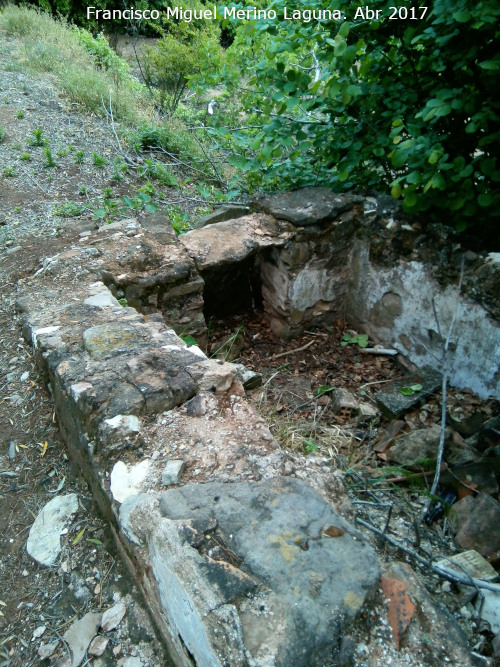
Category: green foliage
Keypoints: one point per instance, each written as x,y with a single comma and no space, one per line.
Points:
405,106
110,207
87,70
2,134
26,157
79,157
184,51
98,160
69,209
9,172
189,340
38,138
49,159
410,390
20,114
355,339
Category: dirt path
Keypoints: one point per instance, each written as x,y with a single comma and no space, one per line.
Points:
39,604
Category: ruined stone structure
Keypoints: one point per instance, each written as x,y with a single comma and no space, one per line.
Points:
250,559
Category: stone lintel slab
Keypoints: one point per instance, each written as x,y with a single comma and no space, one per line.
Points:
305,207
231,242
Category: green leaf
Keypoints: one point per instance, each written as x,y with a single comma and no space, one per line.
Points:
344,29
490,65
323,390
485,200
396,191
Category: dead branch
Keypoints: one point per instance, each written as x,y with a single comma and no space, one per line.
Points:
297,349
441,570
445,369
379,350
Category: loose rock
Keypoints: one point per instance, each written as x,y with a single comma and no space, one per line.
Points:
44,544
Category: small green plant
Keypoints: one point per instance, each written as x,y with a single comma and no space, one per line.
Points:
83,191
355,339
9,172
148,188
158,171
119,168
98,160
189,340
108,193
310,446
411,389
20,114
179,220
62,152
2,134
37,137
16,146
79,157
68,209
139,201
123,302
26,157
49,159
323,390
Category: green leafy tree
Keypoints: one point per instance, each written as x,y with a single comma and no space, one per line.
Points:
185,51
409,106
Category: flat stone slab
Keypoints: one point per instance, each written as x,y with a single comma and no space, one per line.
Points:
309,206
272,553
44,543
392,402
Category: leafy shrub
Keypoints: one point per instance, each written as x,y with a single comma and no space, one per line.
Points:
406,106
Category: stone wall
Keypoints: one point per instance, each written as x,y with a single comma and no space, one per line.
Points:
312,257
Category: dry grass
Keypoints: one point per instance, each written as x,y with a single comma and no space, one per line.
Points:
49,45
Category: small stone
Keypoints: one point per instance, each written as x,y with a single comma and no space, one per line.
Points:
393,403
419,444
38,632
124,482
24,377
118,428
98,645
80,634
102,300
117,650
46,650
488,605
44,544
113,616
131,661
172,472
477,522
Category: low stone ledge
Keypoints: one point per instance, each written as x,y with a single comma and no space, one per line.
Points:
131,397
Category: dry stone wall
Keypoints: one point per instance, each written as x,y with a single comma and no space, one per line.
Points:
229,537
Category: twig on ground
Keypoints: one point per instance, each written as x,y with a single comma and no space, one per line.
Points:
294,351
379,350
445,371
441,570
